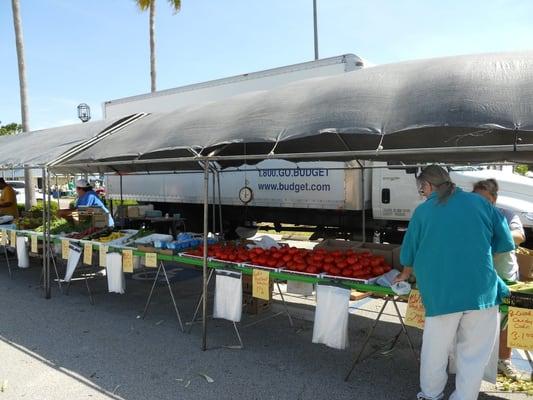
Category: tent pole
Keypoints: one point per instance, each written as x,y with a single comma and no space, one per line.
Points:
363,205
121,207
45,253
214,223
204,278
219,203
48,232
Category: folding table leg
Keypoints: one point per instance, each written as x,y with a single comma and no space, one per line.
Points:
149,300
8,263
367,339
404,329
284,305
91,299
172,296
199,303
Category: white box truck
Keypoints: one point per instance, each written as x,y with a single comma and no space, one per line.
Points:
325,195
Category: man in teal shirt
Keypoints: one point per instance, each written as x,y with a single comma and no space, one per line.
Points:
449,243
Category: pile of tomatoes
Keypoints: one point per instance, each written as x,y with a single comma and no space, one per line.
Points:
348,264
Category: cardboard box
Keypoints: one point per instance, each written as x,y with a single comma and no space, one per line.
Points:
525,263
335,244
391,252
247,286
151,249
255,306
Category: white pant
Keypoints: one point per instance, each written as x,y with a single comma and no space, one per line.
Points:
475,332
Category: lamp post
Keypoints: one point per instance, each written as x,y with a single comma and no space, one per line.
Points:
84,112
315,26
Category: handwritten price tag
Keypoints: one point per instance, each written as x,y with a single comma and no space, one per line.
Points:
520,328
103,256
65,249
261,284
3,239
416,313
34,247
13,240
88,253
127,261
150,260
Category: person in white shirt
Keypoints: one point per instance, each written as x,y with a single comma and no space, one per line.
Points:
506,266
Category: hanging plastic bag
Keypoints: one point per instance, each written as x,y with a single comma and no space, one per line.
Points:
331,316
228,296
22,253
116,283
74,255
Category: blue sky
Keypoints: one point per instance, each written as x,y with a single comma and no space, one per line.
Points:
92,51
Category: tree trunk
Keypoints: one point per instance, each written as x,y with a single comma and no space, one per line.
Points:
19,40
152,46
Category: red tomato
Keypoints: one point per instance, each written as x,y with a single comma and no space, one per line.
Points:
311,270
334,271
287,258
341,265
329,259
327,267
350,260
347,273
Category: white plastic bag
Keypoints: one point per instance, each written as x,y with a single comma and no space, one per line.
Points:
116,283
22,253
331,316
387,279
72,262
228,296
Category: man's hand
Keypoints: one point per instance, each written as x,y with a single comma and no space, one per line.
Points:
404,275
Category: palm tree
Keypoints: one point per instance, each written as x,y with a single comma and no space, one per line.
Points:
150,4
19,41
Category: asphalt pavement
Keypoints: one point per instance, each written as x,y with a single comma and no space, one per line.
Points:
66,348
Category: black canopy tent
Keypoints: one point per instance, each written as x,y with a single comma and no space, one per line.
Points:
460,109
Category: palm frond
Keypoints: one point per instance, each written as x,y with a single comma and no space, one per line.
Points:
175,4
143,4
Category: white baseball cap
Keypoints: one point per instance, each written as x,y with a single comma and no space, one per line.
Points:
82,183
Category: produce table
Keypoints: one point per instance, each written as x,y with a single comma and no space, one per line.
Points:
246,269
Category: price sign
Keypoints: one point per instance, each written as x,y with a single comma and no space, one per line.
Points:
127,261
88,253
102,255
150,260
261,284
3,239
520,328
34,247
65,249
416,313
13,239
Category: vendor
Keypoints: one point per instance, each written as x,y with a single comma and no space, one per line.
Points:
8,200
450,242
87,197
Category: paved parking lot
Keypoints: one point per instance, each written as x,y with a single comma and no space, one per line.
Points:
65,348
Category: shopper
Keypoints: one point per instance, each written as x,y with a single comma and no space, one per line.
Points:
506,266
449,243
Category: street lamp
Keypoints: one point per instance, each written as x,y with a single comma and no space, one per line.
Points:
84,112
